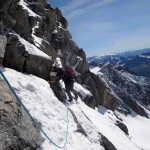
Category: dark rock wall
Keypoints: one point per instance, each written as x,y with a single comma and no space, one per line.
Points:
44,23
47,19
130,92
3,41
14,124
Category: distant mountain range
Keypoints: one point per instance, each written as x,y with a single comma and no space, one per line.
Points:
134,52
137,61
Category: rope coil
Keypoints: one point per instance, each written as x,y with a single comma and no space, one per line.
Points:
33,120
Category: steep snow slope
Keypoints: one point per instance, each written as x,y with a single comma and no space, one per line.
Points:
40,100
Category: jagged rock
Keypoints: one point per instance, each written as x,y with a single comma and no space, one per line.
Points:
61,19
7,5
14,124
37,7
7,8
82,53
48,49
38,66
107,144
14,53
83,66
18,58
123,127
3,42
59,92
134,106
22,26
43,2
7,20
90,101
130,91
101,93
79,127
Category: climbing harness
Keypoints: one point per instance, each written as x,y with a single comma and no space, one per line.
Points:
33,120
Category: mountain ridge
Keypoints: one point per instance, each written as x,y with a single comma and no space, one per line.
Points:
139,64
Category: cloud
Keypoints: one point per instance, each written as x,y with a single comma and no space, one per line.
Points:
74,4
74,9
75,13
92,30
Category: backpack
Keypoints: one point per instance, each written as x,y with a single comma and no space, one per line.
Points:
70,70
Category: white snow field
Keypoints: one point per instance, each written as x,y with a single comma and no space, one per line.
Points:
41,102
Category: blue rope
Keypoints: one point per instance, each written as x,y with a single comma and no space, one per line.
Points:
33,120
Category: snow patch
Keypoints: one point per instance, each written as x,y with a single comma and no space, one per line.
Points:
31,49
26,7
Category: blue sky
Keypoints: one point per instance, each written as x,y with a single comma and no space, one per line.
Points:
107,26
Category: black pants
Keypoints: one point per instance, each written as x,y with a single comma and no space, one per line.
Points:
69,88
59,92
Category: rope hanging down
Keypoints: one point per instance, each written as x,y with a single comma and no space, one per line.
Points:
33,120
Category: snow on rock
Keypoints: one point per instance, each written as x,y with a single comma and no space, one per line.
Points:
95,70
82,89
54,31
32,49
144,56
26,7
136,79
60,26
38,41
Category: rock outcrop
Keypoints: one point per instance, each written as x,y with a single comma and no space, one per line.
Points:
3,42
100,91
14,124
129,90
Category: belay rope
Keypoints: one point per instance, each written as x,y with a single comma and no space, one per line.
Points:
33,120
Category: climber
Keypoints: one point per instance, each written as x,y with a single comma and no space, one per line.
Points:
67,75
69,79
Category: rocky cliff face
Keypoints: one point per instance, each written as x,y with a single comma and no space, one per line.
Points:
3,41
44,29
14,123
130,91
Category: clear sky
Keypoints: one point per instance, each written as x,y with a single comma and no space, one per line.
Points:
107,26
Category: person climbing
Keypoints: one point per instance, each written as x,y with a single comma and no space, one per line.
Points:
68,76
69,79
